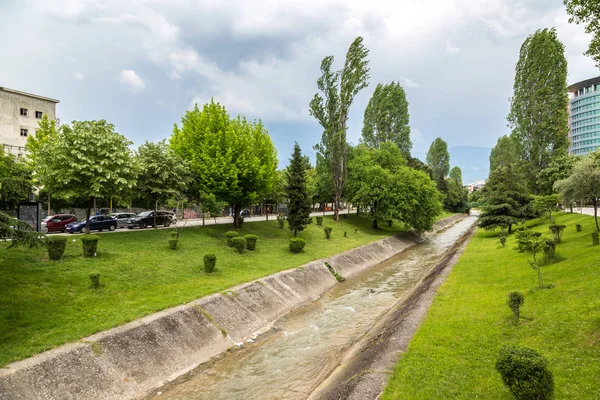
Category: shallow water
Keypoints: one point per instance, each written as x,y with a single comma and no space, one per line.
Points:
306,345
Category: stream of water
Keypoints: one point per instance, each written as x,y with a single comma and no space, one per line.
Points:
307,344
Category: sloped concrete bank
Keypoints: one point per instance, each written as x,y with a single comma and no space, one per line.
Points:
131,360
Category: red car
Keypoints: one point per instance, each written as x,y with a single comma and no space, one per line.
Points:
57,223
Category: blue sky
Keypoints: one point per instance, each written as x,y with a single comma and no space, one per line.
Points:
141,64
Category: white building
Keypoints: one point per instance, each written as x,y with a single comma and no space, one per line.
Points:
20,113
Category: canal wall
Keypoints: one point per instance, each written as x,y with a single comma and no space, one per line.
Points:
131,360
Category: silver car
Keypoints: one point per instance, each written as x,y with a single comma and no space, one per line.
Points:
122,218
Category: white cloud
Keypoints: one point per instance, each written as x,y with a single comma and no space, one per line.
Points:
132,81
408,83
79,76
450,49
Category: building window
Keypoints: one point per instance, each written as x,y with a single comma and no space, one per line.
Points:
23,132
23,112
38,114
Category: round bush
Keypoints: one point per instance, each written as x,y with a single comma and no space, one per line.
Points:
210,261
251,242
95,278
173,234
328,230
525,372
230,235
595,240
56,247
578,227
239,243
297,245
319,221
90,245
173,243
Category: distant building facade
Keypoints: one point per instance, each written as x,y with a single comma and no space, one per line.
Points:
20,114
584,117
471,187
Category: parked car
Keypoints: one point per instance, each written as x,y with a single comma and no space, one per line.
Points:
97,223
57,223
146,218
122,218
245,213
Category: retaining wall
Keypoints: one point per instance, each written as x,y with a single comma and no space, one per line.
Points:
130,360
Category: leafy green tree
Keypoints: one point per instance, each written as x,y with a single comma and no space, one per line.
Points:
538,110
299,203
210,205
323,183
505,199
18,232
560,167
583,183
332,111
231,158
15,181
545,205
504,153
587,12
438,159
86,159
456,174
386,118
419,165
161,173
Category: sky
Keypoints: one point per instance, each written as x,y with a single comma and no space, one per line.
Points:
141,64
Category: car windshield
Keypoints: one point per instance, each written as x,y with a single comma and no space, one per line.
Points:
113,215
144,214
48,218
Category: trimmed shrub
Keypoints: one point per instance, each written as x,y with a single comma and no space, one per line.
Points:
328,230
230,235
173,234
90,245
95,278
578,227
502,235
281,220
210,261
595,240
525,372
549,249
345,234
297,245
56,247
319,221
557,232
251,242
173,243
239,243
514,302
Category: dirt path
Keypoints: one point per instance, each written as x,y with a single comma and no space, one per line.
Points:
365,370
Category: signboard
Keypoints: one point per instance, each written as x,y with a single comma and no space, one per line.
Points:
30,212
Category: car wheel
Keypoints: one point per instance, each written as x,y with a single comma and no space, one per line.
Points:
143,225
167,223
130,227
100,230
111,228
84,230
63,231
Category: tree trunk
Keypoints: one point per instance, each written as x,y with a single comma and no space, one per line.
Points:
295,232
596,212
357,211
236,216
155,209
509,229
91,202
540,280
375,226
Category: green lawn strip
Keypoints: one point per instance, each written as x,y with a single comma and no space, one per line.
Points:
454,351
44,304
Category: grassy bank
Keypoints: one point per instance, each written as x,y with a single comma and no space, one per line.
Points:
44,303
453,353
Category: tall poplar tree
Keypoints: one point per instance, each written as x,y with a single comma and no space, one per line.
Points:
438,159
504,153
299,202
332,110
538,110
386,118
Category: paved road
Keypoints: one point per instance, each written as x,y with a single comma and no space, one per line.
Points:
585,210
211,221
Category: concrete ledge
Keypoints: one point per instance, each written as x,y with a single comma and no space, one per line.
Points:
130,360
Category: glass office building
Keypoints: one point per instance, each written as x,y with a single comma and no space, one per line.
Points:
584,116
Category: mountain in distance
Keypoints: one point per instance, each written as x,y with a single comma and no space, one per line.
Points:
473,161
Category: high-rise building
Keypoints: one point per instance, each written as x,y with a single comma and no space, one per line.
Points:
20,114
584,116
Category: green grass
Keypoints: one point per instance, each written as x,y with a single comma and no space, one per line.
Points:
44,303
454,351
446,214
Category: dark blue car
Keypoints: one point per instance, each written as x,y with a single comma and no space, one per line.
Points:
97,223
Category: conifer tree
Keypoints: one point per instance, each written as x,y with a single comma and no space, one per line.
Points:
299,203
